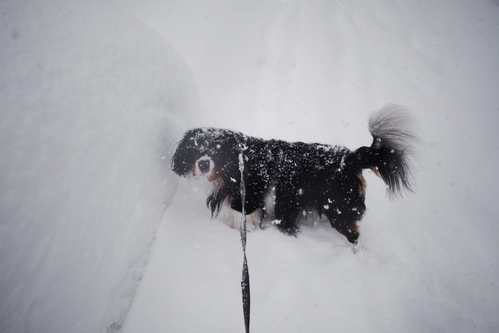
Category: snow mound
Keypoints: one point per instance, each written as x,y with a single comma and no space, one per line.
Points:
90,98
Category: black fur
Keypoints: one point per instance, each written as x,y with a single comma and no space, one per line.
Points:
301,177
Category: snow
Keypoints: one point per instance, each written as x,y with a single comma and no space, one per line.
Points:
92,102
313,71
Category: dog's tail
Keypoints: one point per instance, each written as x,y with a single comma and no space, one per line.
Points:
392,151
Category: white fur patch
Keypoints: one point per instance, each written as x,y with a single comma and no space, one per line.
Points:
232,217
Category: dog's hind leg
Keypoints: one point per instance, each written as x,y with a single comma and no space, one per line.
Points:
344,212
344,219
349,229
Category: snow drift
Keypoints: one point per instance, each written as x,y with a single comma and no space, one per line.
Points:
88,95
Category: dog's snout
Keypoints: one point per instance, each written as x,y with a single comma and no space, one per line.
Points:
204,165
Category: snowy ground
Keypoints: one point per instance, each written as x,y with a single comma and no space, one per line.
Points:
312,71
90,97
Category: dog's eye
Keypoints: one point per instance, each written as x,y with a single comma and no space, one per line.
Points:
204,166
213,150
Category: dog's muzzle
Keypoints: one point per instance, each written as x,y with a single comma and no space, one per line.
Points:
204,166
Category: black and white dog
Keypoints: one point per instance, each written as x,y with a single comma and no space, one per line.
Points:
286,181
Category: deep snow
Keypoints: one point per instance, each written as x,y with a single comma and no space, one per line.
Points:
312,71
86,94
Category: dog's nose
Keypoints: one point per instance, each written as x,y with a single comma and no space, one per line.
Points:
204,165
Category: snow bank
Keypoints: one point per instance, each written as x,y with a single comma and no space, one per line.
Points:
90,99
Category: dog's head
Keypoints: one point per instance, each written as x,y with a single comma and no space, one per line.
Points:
206,152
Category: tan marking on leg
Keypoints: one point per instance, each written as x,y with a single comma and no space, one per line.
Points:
363,185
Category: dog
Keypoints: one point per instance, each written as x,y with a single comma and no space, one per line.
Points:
286,181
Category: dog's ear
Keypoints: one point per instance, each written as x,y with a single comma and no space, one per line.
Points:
182,161
186,154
